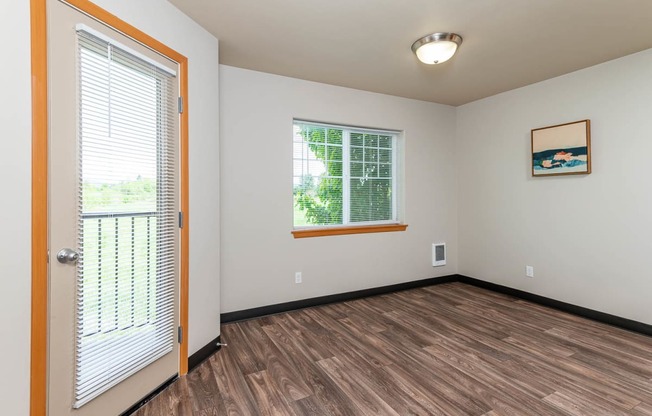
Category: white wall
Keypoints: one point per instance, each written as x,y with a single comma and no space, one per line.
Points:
163,21
15,240
259,255
588,237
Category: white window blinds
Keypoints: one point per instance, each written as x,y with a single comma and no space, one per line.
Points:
343,175
127,217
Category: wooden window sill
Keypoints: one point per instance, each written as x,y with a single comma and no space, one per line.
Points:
357,229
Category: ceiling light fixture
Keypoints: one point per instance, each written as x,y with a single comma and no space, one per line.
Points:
436,48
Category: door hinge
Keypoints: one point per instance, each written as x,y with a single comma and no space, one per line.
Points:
180,335
180,219
180,105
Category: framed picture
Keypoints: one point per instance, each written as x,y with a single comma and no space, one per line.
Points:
564,149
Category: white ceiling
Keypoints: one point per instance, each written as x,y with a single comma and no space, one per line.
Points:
365,44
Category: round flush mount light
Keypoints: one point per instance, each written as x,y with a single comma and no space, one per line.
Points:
436,48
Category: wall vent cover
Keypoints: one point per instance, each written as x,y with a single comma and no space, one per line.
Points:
438,254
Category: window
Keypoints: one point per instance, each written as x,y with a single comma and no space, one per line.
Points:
127,214
344,176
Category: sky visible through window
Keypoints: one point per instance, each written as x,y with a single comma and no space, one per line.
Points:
109,124
120,119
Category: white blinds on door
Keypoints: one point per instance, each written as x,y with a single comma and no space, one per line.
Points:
127,216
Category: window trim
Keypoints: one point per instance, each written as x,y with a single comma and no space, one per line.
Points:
347,227
319,231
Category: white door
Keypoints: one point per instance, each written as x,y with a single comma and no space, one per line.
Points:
113,217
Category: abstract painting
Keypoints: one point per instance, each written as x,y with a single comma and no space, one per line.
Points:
564,149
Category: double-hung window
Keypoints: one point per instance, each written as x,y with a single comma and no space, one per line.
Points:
344,176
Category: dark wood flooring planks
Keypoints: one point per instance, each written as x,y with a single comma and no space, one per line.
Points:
449,349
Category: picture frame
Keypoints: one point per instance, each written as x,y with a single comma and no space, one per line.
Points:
563,149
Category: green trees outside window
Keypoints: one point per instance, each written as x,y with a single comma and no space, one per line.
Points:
343,176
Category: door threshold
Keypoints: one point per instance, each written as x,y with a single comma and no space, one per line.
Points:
150,396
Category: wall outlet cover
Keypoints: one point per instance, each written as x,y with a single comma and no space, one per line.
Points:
529,271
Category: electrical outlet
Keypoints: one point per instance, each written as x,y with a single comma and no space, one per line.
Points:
297,277
529,271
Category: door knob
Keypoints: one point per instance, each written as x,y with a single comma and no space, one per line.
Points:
67,255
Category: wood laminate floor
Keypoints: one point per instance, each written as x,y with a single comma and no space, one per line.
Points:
450,349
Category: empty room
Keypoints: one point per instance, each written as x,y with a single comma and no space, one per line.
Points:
326,208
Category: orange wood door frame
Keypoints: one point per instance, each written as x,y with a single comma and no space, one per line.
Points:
39,69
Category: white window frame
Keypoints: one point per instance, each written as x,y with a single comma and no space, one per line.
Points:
346,174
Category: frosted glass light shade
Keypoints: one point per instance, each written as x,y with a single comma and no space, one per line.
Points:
436,53
436,48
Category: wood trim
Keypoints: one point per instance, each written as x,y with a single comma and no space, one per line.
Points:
185,208
101,15
39,318
360,229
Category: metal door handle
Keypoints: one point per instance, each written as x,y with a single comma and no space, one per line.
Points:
67,255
